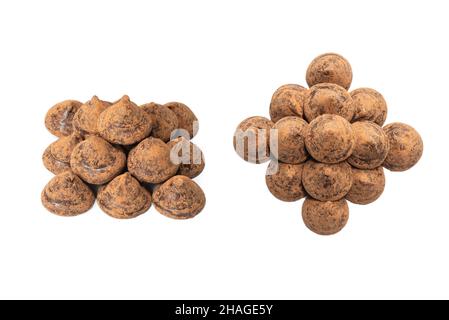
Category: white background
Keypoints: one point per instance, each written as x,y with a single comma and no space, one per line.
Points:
223,59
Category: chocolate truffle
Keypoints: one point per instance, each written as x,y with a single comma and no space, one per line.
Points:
188,155
124,123
328,98
67,195
252,139
86,118
284,181
59,119
96,161
325,218
164,120
406,147
330,68
327,182
369,105
367,185
186,118
287,101
290,145
371,145
179,198
150,161
124,197
53,165
56,157
329,139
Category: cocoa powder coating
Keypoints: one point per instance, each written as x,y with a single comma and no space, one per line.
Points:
369,105
188,155
164,120
329,68
86,118
325,218
291,135
186,117
367,185
285,181
287,100
59,119
52,164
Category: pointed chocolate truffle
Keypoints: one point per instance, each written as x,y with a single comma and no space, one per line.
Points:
163,119
188,155
86,118
59,119
56,157
186,118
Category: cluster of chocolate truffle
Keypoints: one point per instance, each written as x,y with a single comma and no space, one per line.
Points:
327,144
126,156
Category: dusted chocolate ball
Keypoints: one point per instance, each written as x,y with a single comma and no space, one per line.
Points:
186,118
67,195
287,101
327,182
291,133
325,218
150,161
124,123
86,118
124,197
330,139
179,198
371,145
53,165
163,119
188,155
406,147
329,68
252,139
367,185
369,105
96,161
56,157
59,119
328,98
284,181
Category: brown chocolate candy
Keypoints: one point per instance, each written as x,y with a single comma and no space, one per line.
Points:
56,157
284,181
252,139
189,156
328,98
53,165
124,123
371,145
163,119
186,118
369,105
150,161
287,101
329,68
325,218
330,139
367,185
327,182
59,119
96,161
179,198
67,195
124,197
291,133
85,120
406,147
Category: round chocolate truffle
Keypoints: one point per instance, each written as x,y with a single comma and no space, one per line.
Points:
325,218
252,139
96,161
369,105
67,195
329,139
179,198
371,145
86,118
291,148
406,147
287,101
124,197
328,98
56,157
188,155
59,119
327,182
186,118
367,185
284,181
124,123
150,161
163,119
329,68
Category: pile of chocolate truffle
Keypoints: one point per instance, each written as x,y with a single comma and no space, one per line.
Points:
124,155
327,144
